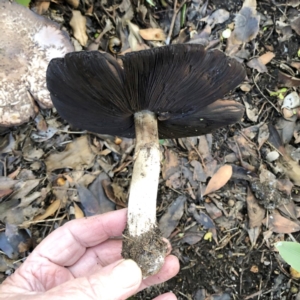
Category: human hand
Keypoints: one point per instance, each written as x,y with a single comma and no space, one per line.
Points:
79,261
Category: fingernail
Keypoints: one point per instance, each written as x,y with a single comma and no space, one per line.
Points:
127,273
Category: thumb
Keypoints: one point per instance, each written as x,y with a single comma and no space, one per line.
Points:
117,281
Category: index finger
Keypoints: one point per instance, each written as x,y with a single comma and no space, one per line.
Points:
68,243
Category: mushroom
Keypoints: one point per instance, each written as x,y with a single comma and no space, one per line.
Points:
28,42
167,92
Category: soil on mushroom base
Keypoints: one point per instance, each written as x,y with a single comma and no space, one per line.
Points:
147,250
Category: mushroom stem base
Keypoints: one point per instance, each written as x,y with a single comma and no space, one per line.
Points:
142,239
148,250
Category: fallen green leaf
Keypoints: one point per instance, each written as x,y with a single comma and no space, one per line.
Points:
290,252
151,3
23,2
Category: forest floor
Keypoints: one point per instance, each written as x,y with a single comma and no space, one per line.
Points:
225,198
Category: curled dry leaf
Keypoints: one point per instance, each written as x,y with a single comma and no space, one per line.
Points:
152,34
260,62
114,193
219,179
289,210
78,25
77,155
251,111
286,80
78,212
51,210
279,224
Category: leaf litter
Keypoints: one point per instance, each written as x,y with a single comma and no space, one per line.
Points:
59,172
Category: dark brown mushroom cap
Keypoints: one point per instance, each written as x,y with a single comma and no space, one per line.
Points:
179,83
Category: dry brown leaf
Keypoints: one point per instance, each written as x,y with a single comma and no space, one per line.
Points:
251,111
295,24
198,174
246,23
14,241
277,223
152,34
255,212
219,179
77,155
289,210
51,210
253,234
219,16
89,202
263,135
266,58
15,173
7,183
204,147
78,212
192,235
6,192
97,190
260,62
73,3
78,25
213,211
112,195
24,188
41,7
285,80
291,169
170,165
172,216
296,65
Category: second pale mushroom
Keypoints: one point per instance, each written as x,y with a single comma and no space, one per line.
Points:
167,92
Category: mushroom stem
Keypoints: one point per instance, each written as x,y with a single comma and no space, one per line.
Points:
143,241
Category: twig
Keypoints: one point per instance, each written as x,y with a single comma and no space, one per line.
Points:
265,96
176,11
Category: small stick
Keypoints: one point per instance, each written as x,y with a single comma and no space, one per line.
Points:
176,11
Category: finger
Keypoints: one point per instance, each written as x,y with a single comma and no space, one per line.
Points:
114,282
168,270
97,257
68,243
166,296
